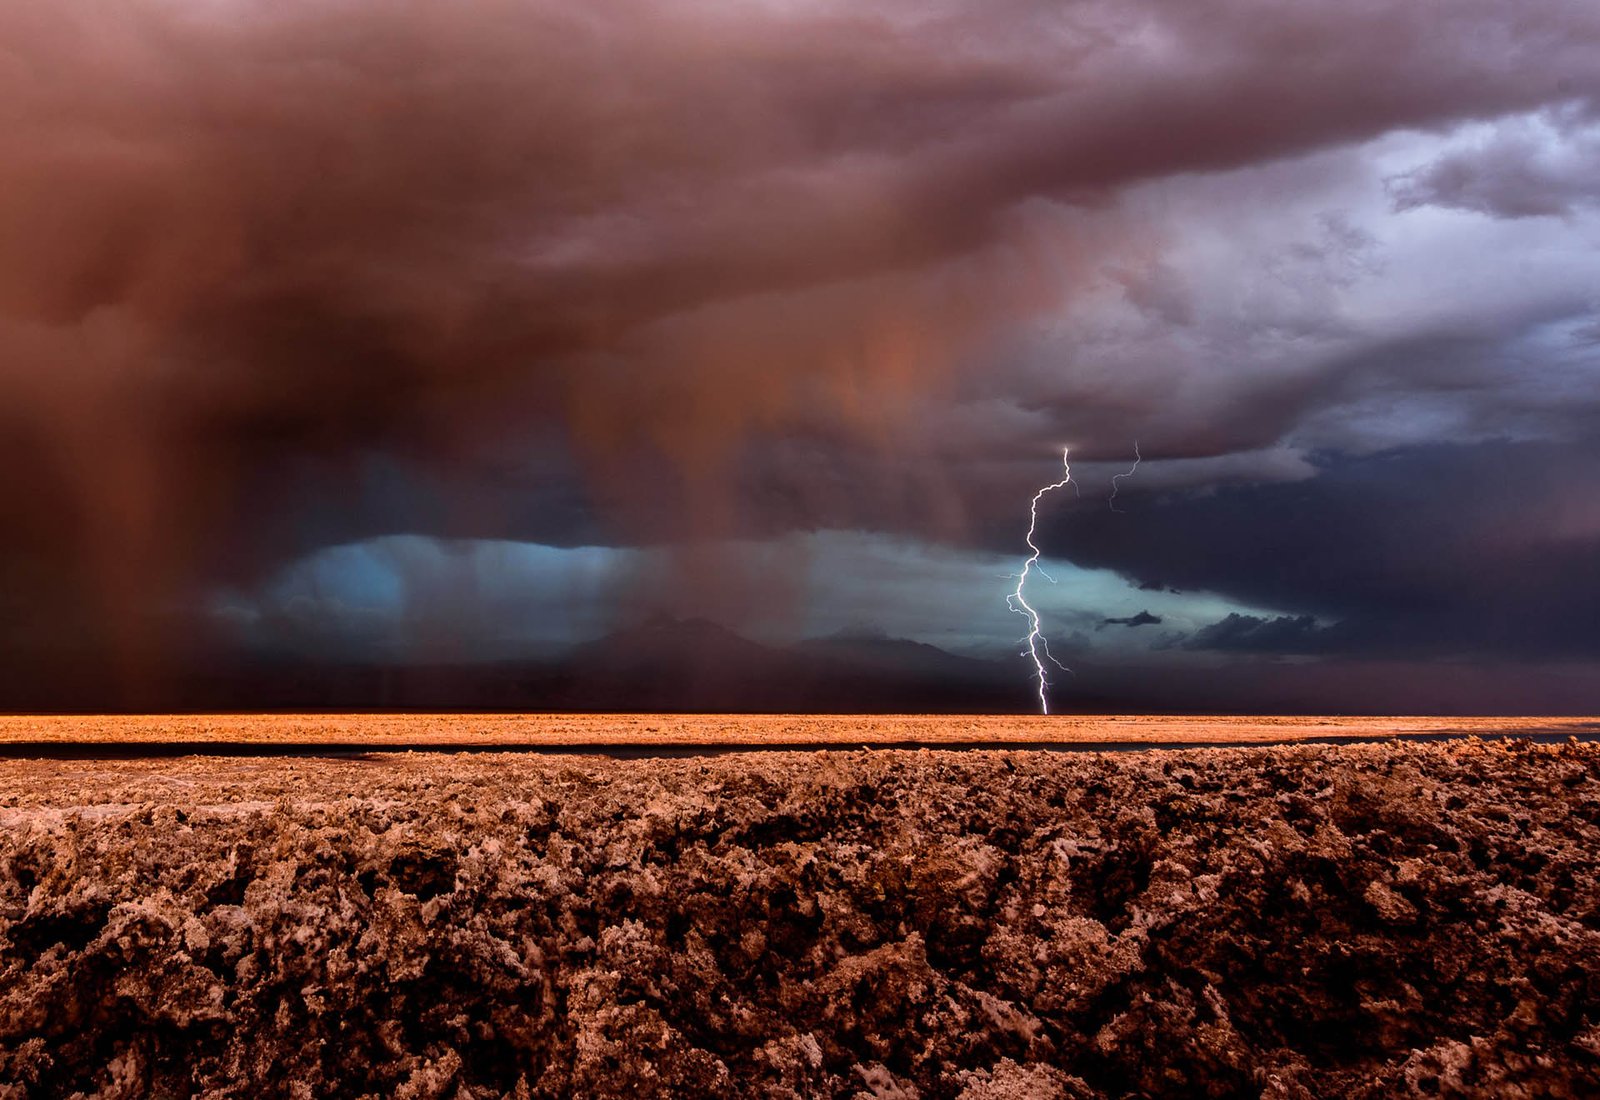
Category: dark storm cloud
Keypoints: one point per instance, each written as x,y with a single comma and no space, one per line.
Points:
1236,633
1143,618
1469,371
275,276
1485,550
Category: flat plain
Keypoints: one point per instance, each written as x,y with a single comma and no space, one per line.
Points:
625,730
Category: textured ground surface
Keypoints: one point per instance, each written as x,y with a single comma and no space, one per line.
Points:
774,729
1367,921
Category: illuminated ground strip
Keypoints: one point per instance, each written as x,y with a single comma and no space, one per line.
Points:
1017,602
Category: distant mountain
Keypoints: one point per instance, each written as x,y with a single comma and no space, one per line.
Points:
876,650
660,663
663,640
692,664
664,663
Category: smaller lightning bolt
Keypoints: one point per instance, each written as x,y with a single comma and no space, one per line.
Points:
1111,501
1017,602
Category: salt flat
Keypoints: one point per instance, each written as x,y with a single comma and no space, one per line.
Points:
487,730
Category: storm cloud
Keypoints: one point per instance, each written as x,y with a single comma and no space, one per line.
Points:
1543,168
1444,550
698,278
1143,618
1253,634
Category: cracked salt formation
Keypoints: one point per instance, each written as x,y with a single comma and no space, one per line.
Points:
1367,921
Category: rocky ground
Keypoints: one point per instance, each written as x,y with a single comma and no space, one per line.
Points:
1366,921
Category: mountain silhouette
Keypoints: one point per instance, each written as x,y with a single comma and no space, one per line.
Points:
656,664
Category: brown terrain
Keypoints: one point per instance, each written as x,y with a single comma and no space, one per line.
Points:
489,730
1367,920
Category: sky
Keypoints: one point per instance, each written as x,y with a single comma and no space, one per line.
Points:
398,333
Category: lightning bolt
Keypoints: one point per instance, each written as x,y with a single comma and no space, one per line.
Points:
1111,502
1017,602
